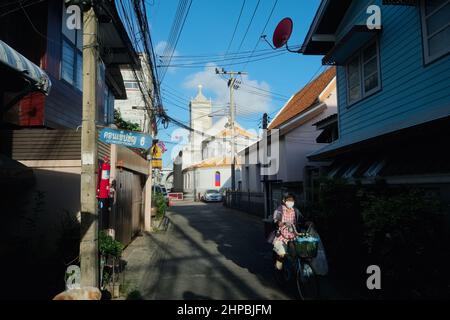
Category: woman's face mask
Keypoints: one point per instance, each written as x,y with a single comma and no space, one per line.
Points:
290,204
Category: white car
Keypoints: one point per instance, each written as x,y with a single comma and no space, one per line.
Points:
212,196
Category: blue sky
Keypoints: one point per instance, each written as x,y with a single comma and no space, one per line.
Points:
208,30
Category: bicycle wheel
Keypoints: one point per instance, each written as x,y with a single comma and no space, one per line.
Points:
307,286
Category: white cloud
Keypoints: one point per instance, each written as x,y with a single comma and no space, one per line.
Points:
246,103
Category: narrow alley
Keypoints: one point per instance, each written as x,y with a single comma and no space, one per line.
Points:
208,252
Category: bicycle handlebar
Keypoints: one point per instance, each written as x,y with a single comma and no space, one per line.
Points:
295,229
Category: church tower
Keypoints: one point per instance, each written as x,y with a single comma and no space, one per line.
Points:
200,110
200,120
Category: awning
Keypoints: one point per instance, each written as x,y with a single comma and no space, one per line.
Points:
34,75
357,37
423,117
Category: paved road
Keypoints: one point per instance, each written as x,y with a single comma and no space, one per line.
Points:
208,252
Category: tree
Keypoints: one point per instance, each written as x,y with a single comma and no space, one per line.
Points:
123,124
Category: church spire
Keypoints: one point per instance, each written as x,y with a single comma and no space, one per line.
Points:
200,97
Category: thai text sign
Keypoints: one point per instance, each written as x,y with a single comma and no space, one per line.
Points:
126,138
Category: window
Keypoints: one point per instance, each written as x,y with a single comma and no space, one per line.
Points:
351,171
131,85
375,168
72,57
436,28
217,179
363,73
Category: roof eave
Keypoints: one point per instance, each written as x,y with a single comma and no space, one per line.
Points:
327,17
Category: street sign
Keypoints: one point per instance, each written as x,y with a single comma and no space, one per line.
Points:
126,138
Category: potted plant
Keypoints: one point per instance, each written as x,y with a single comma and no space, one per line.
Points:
110,251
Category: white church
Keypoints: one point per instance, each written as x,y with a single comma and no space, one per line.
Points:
207,156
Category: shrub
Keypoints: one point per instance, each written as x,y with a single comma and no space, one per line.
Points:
404,233
338,220
400,229
161,205
109,246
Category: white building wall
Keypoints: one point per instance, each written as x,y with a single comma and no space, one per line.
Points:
205,179
294,148
134,98
251,172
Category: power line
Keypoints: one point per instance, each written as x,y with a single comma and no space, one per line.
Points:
19,7
265,91
228,59
249,25
236,26
220,65
178,38
264,29
215,55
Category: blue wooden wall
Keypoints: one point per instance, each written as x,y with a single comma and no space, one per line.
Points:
411,92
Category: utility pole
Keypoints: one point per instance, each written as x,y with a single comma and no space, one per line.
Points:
89,214
232,85
265,121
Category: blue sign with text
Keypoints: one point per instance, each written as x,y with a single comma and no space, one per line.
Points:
126,138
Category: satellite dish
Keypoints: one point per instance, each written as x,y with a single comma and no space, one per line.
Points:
282,32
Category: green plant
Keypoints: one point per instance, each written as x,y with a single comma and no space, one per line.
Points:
337,218
109,246
404,233
135,295
160,204
400,229
123,124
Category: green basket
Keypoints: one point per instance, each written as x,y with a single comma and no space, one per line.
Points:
306,247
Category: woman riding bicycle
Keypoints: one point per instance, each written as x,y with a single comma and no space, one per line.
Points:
288,219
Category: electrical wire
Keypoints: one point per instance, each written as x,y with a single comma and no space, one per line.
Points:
249,25
235,27
220,65
262,33
177,39
207,56
19,8
228,59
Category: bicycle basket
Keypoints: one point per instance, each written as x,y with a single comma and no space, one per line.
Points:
306,247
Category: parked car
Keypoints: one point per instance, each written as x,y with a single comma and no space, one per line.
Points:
212,196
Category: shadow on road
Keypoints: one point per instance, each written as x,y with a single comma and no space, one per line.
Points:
236,236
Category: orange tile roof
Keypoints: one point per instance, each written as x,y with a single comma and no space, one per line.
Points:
238,132
214,162
305,98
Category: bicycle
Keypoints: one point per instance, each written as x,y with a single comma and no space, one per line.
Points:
297,265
